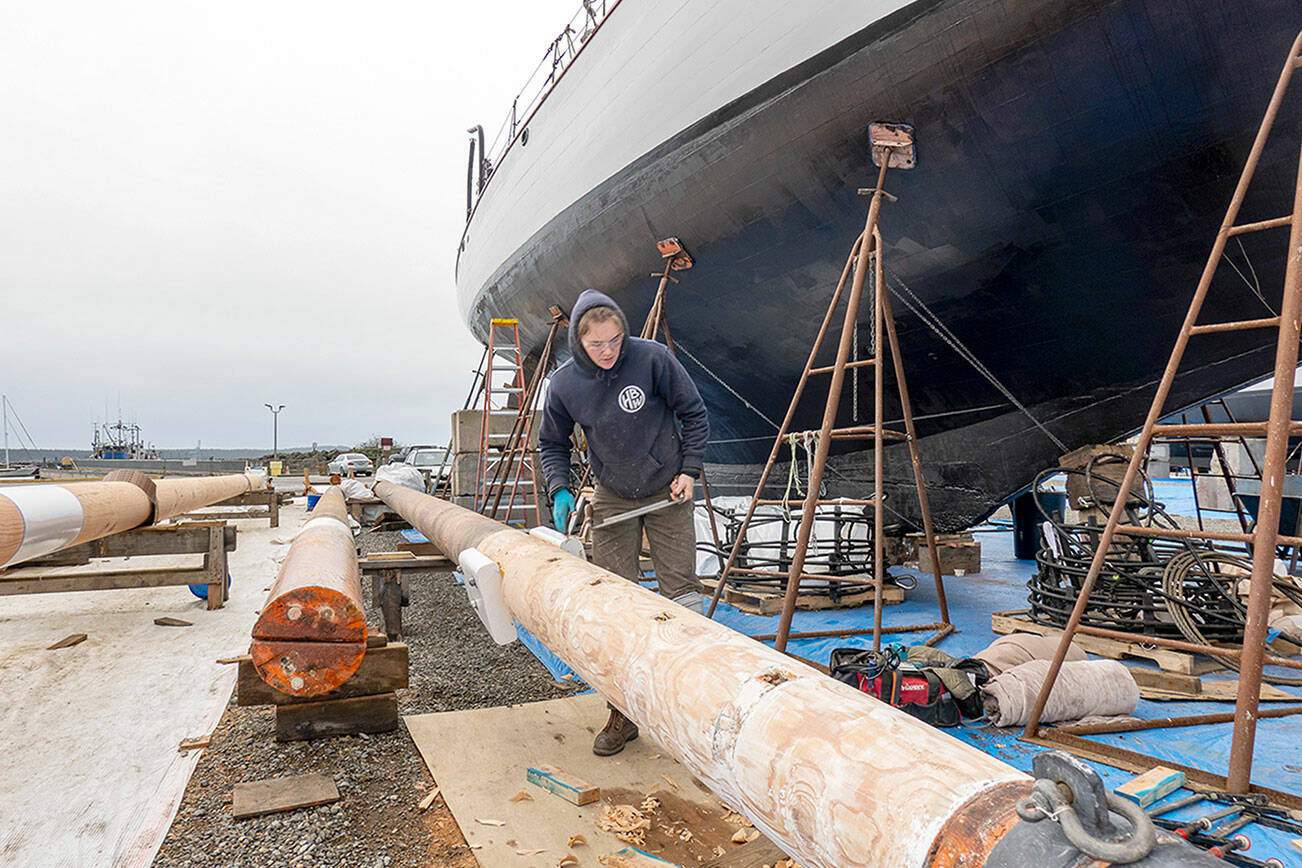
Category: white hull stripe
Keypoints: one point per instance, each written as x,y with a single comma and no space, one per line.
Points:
52,518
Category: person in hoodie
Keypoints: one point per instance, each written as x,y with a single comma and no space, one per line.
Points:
646,430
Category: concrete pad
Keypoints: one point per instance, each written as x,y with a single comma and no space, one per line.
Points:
91,767
480,759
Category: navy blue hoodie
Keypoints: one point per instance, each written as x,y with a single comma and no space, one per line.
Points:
644,420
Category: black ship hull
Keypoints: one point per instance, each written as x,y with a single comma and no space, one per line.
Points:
1074,162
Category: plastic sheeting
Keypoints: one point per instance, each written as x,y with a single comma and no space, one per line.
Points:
401,474
91,767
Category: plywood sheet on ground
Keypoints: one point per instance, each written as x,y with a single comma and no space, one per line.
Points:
480,759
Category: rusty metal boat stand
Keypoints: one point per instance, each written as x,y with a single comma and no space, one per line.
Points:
892,147
1265,535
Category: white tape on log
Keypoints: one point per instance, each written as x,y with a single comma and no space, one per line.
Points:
52,518
569,544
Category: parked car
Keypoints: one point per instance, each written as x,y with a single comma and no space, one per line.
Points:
355,462
430,462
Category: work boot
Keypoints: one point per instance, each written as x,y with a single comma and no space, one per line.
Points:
691,600
619,731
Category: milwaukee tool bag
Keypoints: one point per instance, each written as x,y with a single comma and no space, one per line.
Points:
917,692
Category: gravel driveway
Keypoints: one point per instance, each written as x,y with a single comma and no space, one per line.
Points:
381,778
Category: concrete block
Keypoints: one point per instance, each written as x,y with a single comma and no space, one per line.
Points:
468,426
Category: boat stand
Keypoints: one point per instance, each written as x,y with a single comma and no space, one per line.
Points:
1265,535
676,258
892,147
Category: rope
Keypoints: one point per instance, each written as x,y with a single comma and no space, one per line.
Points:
920,309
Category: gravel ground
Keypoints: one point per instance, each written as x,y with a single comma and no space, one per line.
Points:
381,778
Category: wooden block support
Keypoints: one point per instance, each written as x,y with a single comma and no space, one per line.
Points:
255,798
563,784
1151,786
1172,682
960,553
631,857
755,854
758,603
383,670
307,720
1015,621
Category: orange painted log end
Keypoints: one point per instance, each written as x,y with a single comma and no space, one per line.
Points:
306,668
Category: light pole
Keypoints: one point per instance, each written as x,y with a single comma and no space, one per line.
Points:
275,434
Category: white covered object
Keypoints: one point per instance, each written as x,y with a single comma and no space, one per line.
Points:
569,544
401,474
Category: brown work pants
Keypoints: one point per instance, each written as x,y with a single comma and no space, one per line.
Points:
670,531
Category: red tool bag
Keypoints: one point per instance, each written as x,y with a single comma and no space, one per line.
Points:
917,692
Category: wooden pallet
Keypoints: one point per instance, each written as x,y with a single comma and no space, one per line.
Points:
1016,621
760,603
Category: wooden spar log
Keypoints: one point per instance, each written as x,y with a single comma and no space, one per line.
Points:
179,496
833,777
311,635
37,520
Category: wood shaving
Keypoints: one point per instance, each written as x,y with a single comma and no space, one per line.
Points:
626,823
576,841
521,797
649,805
568,859
739,836
529,852
655,788
673,783
733,818
754,833
486,822
429,799
718,850
654,756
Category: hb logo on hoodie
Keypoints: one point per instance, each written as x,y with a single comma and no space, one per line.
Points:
631,399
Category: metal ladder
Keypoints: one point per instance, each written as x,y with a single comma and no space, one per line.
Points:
504,394
1264,535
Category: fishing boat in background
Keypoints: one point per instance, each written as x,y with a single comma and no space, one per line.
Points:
1074,161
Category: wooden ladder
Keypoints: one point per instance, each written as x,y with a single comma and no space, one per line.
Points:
1265,533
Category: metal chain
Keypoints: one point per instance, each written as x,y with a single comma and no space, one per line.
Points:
731,390
920,309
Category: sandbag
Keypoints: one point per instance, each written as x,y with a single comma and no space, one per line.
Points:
1008,651
1084,688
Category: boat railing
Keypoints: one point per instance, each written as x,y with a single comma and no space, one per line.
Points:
554,61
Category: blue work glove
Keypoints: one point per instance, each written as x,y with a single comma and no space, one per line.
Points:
562,506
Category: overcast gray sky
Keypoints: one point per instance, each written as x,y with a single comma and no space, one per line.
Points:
209,206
